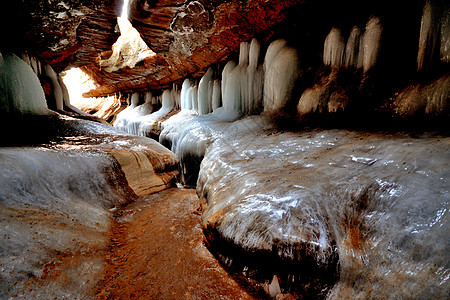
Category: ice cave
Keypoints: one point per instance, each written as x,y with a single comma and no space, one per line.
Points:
194,149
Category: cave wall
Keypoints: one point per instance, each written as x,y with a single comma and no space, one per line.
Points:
67,33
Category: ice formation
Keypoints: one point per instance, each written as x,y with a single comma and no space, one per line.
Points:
216,95
20,89
55,206
57,90
334,48
126,115
255,79
431,100
346,204
281,74
352,49
205,93
360,196
226,71
146,125
53,202
186,101
236,82
371,41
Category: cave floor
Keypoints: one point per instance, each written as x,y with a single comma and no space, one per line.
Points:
157,252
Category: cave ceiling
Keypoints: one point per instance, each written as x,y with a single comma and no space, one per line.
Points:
186,36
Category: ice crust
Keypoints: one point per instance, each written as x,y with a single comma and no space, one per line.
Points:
20,89
380,201
54,218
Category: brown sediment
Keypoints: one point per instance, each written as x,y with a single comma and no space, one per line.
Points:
157,252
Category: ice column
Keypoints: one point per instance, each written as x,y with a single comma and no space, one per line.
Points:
371,43
236,82
352,49
186,101
281,74
255,77
216,95
204,92
20,89
333,52
226,71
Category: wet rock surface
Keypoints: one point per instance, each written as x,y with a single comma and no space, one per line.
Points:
57,193
157,252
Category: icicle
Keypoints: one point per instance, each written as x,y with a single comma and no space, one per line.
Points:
255,49
226,71
176,97
445,36
216,95
148,97
272,51
167,100
186,101
147,107
352,48
282,72
210,94
149,124
203,93
333,52
125,116
244,84
57,91
255,75
371,43
20,89
243,53
36,66
235,88
134,100
193,94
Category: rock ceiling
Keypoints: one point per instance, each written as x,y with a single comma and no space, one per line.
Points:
187,36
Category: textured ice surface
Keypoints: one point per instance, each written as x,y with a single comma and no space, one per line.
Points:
140,119
54,220
371,42
281,74
55,207
380,200
20,89
334,48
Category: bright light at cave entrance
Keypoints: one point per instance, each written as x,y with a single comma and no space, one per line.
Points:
129,49
77,83
124,24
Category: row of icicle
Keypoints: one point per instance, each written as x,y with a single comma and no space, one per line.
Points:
253,85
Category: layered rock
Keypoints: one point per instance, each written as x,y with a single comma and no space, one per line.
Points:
60,33
57,196
187,38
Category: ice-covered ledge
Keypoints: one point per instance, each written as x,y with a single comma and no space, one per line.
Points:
323,209
334,213
61,180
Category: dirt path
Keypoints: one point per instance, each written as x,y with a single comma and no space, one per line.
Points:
157,252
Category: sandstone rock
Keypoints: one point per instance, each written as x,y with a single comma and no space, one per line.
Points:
61,33
188,37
